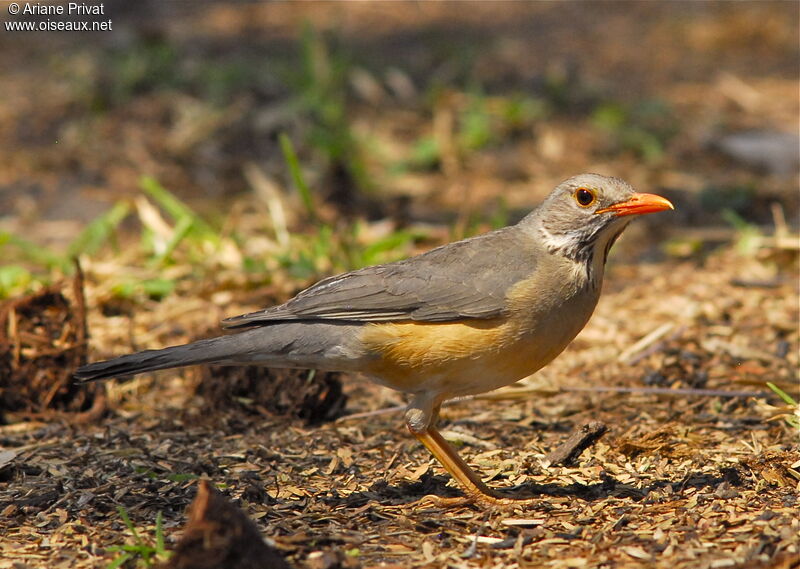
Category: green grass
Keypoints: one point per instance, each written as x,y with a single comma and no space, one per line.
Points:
328,249
748,235
142,552
481,122
34,266
151,65
170,234
644,128
322,99
792,418
290,156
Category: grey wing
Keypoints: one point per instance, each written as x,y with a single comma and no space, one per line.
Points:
466,279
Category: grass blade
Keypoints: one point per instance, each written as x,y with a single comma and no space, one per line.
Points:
123,513
179,211
297,175
119,561
788,399
97,233
35,253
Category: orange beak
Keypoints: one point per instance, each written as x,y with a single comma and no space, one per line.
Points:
638,205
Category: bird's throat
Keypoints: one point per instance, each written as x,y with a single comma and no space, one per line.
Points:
586,248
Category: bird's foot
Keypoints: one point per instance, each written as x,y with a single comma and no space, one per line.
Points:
488,501
453,502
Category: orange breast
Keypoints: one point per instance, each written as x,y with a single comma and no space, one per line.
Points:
451,359
544,314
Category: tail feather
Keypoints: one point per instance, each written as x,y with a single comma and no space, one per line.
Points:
214,350
300,345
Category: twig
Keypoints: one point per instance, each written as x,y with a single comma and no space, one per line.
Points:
517,393
645,342
367,414
568,451
670,391
78,291
774,283
779,220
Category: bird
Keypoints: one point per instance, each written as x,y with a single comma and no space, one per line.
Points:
460,319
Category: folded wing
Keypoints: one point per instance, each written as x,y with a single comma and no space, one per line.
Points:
466,279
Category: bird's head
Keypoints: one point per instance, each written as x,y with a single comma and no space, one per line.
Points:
587,213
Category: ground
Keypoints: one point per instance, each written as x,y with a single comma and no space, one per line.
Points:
468,117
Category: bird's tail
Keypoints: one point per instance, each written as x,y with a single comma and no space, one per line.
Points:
214,350
287,345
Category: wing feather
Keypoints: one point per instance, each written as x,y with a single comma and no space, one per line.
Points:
466,279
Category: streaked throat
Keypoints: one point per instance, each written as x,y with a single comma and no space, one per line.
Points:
587,247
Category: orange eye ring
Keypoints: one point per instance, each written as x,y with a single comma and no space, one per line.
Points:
584,197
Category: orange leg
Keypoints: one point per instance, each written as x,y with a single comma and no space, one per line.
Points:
421,419
473,486
454,464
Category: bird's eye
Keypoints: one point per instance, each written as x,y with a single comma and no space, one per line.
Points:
584,197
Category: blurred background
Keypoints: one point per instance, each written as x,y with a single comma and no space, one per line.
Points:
204,159
259,137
